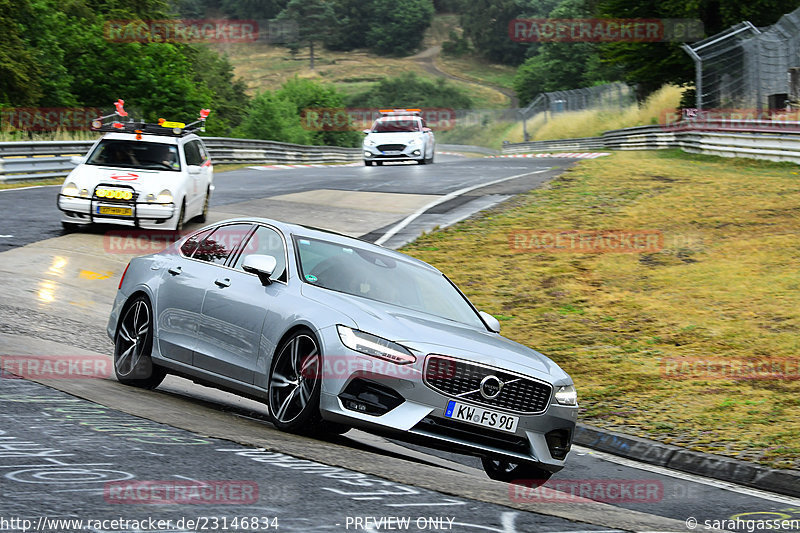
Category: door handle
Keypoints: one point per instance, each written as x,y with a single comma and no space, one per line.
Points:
226,282
174,270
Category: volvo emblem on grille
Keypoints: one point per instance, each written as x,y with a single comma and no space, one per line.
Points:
491,387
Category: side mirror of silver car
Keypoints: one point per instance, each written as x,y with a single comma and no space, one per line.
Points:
490,321
261,265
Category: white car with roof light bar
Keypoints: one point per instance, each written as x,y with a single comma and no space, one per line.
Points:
399,135
151,176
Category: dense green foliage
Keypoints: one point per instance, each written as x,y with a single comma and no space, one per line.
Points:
386,27
408,91
276,115
55,54
651,65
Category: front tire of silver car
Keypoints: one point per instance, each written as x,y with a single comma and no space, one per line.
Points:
295,381
133,344
527,474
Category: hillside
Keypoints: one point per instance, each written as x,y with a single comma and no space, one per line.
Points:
263,66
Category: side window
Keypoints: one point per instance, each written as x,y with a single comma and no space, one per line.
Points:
190,245
216,247
203,152
192,154
266,241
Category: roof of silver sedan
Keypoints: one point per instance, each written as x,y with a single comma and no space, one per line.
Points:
331,236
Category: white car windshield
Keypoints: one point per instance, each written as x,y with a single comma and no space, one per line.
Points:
383,278
396,126
135,154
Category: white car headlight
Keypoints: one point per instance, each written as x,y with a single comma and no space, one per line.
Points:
375,346
164,197
70,189
567,395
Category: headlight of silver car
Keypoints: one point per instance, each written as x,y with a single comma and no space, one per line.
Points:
375,346
567,395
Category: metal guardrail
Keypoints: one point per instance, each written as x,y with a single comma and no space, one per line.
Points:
39,160
758,141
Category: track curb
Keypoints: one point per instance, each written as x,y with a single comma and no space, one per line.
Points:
677,458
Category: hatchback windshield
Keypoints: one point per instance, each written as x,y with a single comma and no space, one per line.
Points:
382,278
136,154
396,125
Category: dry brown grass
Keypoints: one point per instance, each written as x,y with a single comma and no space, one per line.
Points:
724,289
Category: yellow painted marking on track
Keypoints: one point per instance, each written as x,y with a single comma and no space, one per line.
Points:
88,274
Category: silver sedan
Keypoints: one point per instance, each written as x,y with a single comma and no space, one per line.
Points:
332,333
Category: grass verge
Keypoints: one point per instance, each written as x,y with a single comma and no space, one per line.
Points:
723,290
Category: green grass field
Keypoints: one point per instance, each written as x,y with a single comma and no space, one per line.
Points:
723,290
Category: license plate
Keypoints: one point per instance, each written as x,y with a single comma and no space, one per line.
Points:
119,211
392,152
481,417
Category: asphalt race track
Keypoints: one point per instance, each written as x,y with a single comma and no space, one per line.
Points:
66,445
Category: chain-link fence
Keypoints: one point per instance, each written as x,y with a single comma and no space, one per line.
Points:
609,96
746,67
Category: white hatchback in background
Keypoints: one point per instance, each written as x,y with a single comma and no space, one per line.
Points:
399,135
150,177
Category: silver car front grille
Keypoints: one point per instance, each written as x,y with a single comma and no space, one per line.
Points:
462,380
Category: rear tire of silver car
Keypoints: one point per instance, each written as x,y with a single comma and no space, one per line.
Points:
295,381
501,469
133,344
201,218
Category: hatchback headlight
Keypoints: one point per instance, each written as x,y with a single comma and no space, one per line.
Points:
567,395
375,346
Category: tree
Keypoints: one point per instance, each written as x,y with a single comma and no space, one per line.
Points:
398,26
651,65
562,66
315,20
485,23
308,94
273,118
20,74
408,91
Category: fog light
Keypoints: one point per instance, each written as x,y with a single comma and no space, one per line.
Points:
367,154
416,152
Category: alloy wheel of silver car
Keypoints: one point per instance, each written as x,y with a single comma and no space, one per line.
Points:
132,346
294,383
510,472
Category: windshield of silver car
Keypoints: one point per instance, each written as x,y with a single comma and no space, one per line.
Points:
383,278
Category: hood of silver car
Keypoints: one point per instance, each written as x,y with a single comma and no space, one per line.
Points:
428,334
